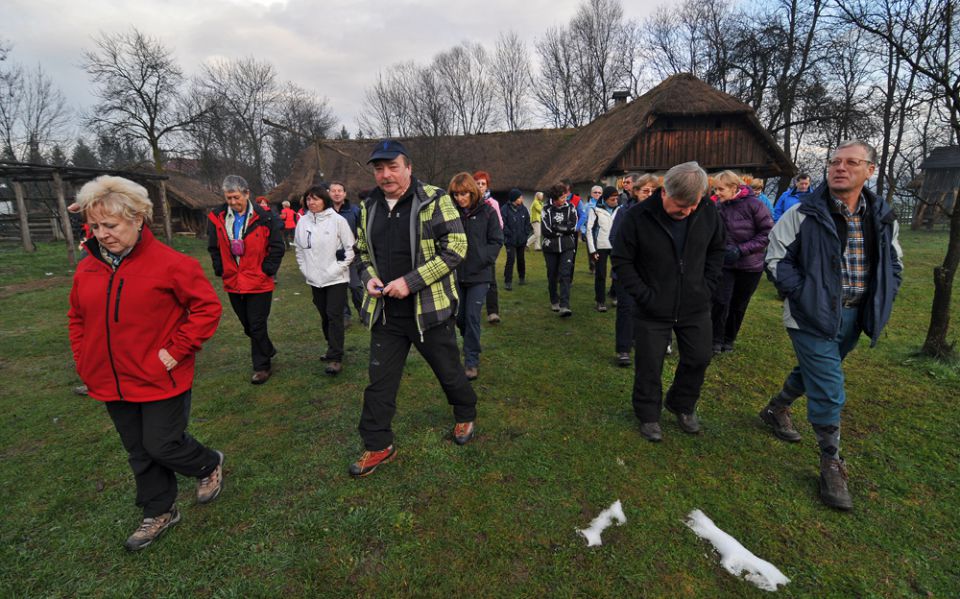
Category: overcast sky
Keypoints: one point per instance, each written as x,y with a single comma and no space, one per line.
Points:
333,47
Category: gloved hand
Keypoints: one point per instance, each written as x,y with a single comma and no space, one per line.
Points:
731,255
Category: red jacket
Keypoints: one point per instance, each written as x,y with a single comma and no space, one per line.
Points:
120,319
289,218
263,251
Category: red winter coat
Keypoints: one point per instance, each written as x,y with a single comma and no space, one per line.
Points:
289,218
263,251
120,319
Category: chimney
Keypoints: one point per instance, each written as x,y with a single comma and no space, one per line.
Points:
620,97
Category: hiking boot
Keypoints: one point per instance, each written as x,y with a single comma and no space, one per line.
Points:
463,432
522,282
555,307
623,359
209,487
261,376
613,302
726,348
493,318
833,484
333,368
566,312
150,529
651,431
601,307
508,286
471,372
717,348
369,461
689,423
778,419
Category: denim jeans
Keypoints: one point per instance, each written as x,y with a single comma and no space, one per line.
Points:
468,320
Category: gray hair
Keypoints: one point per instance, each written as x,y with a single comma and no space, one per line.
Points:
631,176
232,183
596,188
851,143
686,182
116,196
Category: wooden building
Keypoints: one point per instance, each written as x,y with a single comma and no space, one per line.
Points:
941,184
681,119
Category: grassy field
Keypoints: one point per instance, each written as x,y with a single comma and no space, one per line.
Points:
557,443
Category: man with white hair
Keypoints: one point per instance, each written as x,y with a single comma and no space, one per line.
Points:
668,256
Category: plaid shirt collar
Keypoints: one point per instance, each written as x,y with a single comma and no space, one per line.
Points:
841,208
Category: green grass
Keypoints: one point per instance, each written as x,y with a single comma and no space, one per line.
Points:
557,443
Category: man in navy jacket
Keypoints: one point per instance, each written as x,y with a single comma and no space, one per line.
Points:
836,260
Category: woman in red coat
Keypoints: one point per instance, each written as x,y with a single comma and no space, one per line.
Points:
139,312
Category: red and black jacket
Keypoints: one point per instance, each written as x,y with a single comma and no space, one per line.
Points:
263,251
120,319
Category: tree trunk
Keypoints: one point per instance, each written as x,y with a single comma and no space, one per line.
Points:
24,220
936,344
164,205
64,217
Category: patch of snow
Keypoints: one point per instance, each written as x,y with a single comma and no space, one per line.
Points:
602,521
734,557
49,274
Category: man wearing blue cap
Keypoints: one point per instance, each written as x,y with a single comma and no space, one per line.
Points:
410,240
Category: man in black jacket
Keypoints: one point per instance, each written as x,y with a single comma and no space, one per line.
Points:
668,255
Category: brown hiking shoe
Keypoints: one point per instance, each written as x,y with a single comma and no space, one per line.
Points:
209,487
333,368
369,461
150,530
833,484
463,432
778,419
261,376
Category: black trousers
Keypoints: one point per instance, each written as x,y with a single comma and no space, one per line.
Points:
515,253
253,310
389,346
330,302
730,302
158,448
624,323
600,276
493,298
693,343
559,274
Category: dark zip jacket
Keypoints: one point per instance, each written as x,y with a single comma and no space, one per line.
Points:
484,240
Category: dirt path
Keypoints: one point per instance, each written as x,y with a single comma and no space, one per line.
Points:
7,291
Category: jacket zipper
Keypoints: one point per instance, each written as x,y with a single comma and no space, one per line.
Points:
116,307
172,380
113,366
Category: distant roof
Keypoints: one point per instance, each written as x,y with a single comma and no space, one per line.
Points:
944,157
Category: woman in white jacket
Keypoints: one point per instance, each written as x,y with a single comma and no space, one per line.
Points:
324,246
599,222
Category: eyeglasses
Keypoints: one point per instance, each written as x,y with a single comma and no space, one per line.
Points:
847,162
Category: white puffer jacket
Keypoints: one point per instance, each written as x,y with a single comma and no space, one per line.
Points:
317,239
599,223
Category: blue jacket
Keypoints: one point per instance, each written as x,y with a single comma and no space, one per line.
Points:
804,261
788,199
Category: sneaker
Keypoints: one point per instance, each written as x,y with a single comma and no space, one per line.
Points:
261,376
150,530
623,359
209,487
566,312
651,431
717,348
463,432
669,349
333,368
471,372
522,282
613,302
833,484
508,286
726,348
369,461
601,307
555,307
493,318
689,423
80,390
778,419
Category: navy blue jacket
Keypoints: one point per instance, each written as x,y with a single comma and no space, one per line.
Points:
516,225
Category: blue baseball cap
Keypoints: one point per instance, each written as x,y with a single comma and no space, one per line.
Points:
387,149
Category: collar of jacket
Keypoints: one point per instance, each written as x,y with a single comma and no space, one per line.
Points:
819,204
654,207
420,199
146,238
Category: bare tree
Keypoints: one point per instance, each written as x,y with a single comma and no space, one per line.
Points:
43,113
303,117
512,74
463,73
597,32
139,85
11,86
558,90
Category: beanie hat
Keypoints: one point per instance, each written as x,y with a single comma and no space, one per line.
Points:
514,194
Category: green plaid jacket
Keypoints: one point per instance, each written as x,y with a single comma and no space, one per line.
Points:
439,245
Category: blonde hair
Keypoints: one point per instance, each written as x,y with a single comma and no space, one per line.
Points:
285,204
725,178
538,196
116,196
757,184
646,179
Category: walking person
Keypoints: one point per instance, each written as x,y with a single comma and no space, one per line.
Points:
139,313
493,296
484,239
747,222
516,231
536,214
837,260
410,240
289,218
583,213
246,246
599,224
324,249
792,196
559,247
668,255
351,213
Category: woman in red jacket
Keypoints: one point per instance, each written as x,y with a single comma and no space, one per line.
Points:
139,312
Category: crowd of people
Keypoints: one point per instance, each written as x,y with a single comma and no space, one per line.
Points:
685,255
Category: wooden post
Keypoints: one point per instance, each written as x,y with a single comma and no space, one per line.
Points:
24,222
65,218
165,208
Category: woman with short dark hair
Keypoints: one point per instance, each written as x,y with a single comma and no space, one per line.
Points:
559,230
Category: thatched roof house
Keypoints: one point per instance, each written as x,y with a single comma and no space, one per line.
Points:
681,119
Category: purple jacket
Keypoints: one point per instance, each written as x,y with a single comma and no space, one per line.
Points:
748,222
